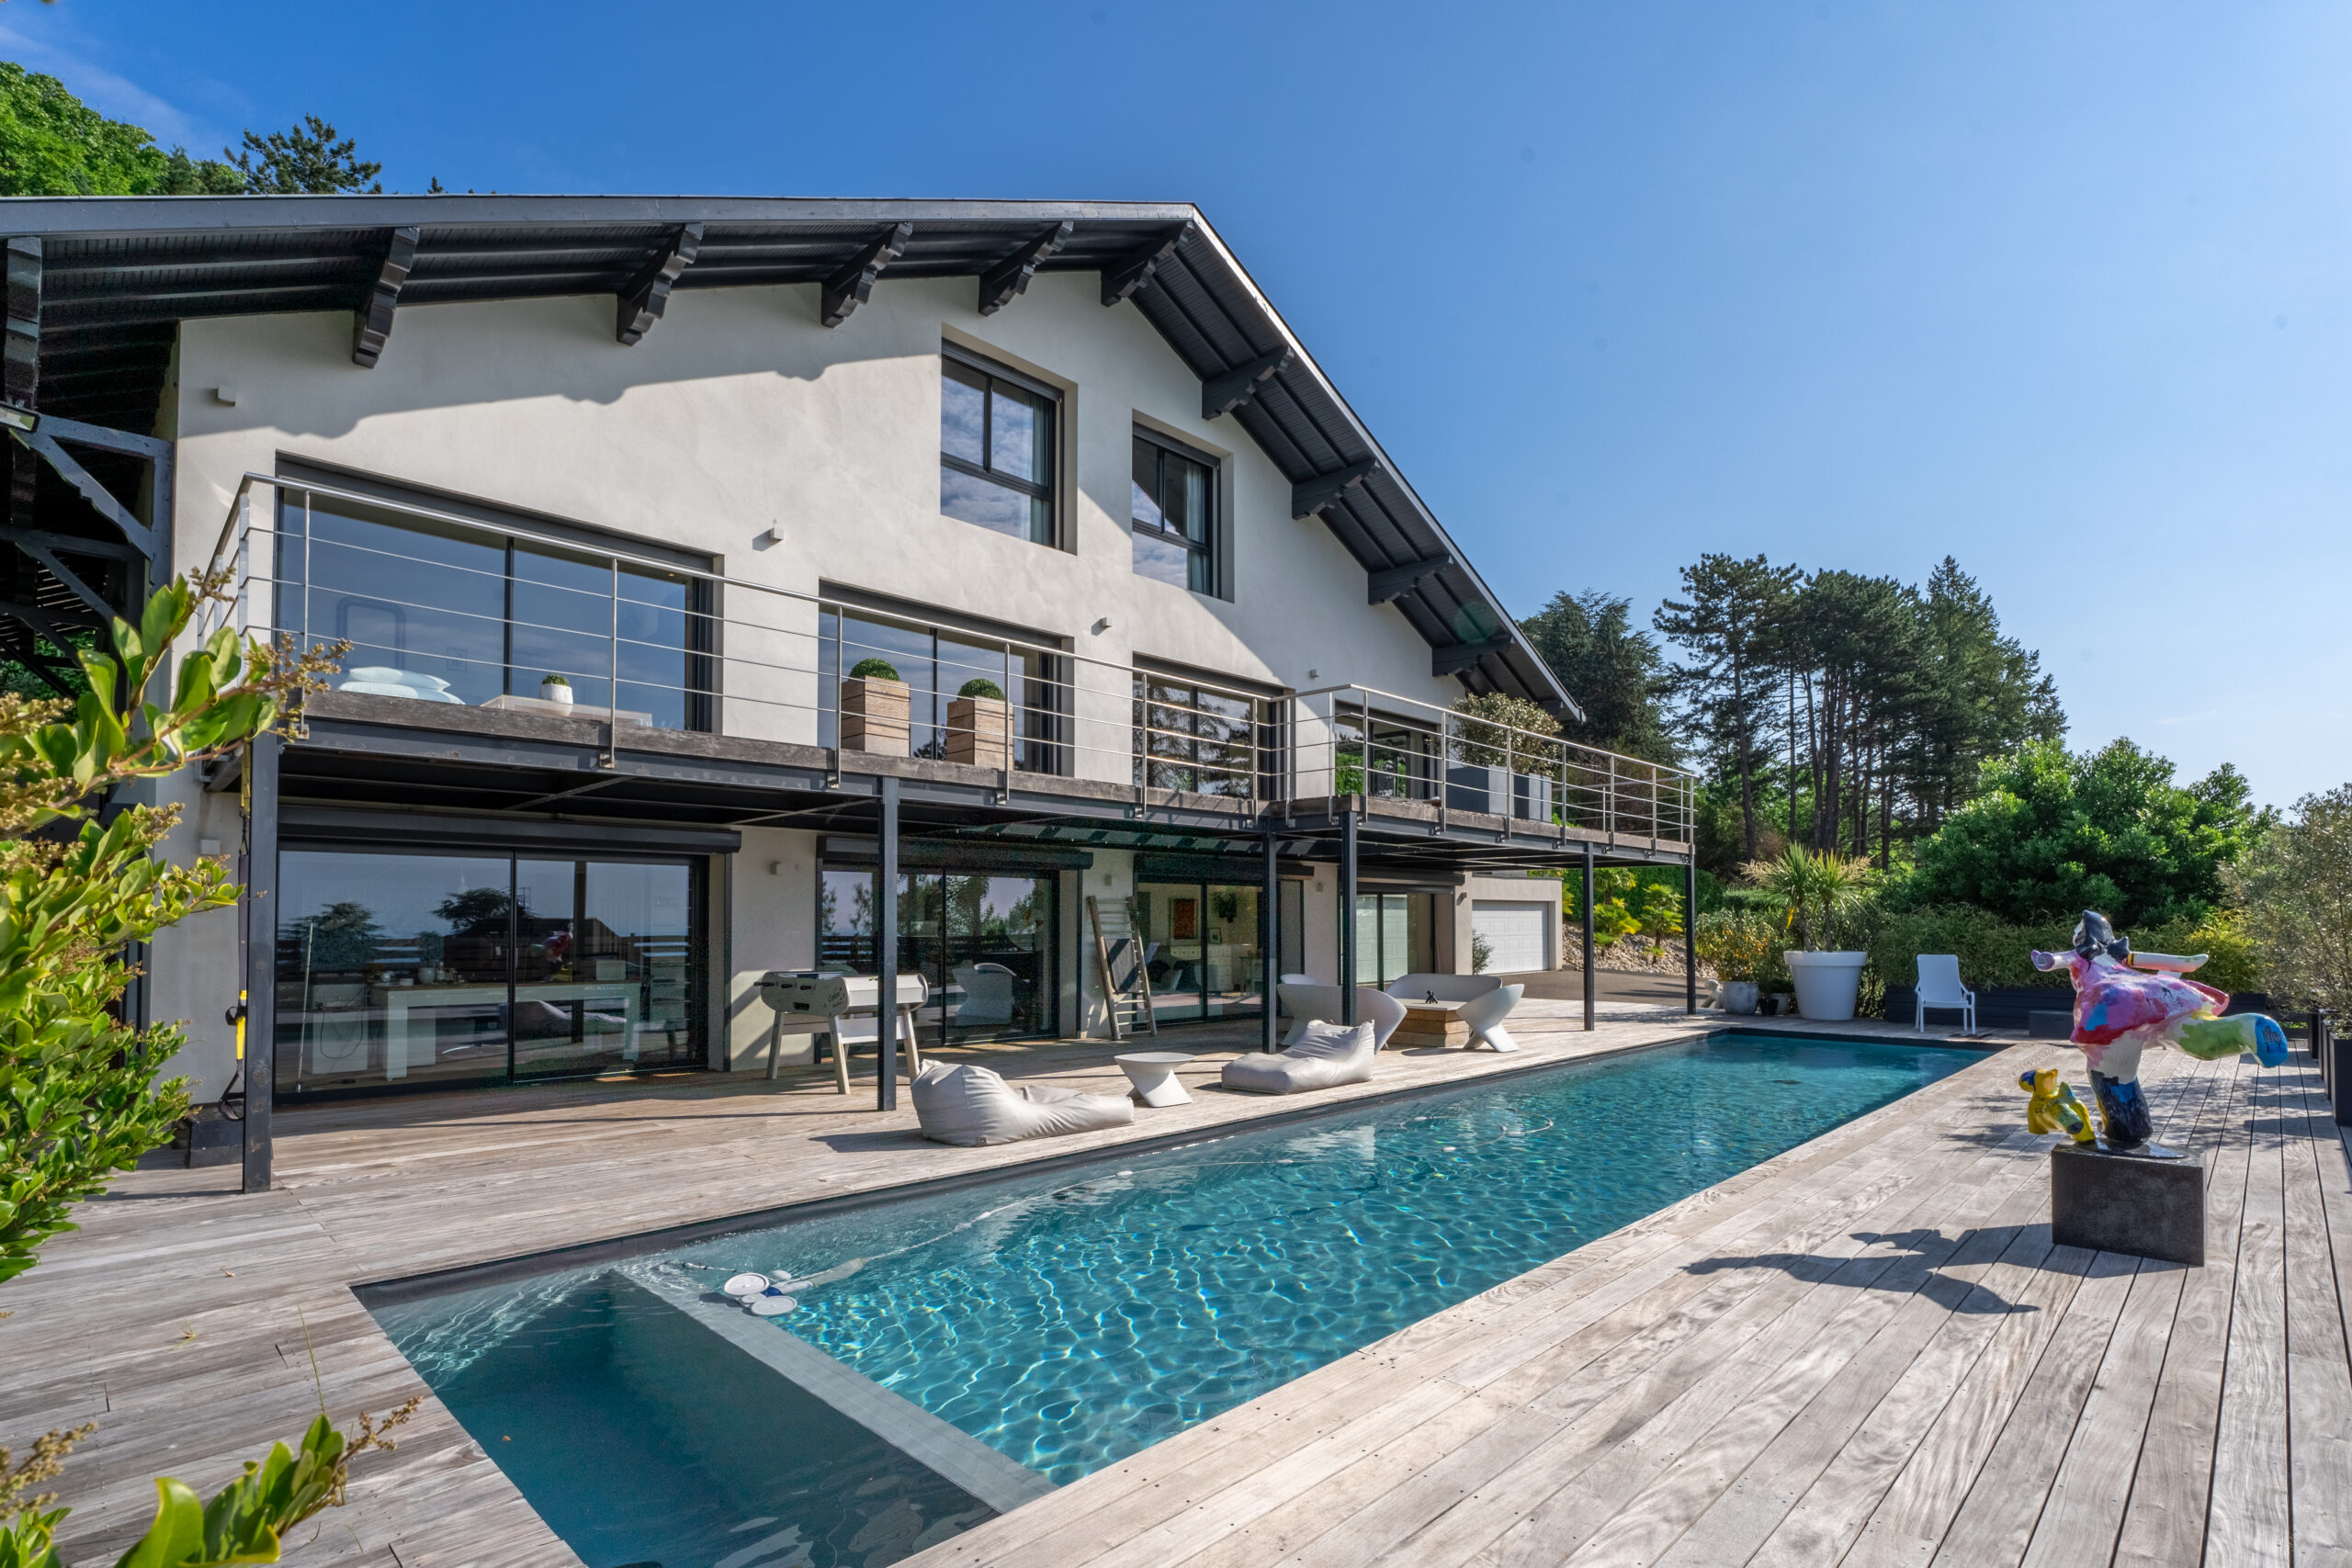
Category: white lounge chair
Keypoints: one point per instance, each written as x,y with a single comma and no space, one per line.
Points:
1939,987
972,1105
1326,1056
1320,1004
1485,1016
1410,988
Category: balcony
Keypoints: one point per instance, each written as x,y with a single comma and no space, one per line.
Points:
444,609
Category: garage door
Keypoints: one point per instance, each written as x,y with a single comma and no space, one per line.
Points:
1514,934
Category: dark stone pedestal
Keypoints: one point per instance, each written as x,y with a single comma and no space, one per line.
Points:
2149,1208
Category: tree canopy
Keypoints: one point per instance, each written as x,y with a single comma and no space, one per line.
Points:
53,144
2052,833
1612,668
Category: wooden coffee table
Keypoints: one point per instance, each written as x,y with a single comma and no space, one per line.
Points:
1431,1023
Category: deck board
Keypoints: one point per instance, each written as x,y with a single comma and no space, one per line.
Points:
1865,1352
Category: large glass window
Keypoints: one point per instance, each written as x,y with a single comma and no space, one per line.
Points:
1203,948
937,663
996,451
984,944
1173,515
408,970
1195,737
441,613
1395,934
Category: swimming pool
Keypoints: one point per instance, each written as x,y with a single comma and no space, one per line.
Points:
1068,1319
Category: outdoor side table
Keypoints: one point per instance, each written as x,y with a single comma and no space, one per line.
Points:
1431,1023
1153,1073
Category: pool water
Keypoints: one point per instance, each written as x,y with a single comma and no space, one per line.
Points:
1070,1319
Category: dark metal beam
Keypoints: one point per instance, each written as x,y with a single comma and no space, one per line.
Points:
71,580
70,544
1396,582
1312,496
1347,916
372,322
1134,270
1223,394
258,1032
648,294
849,288
1584,906
20,355
1691,935
141,537
1270,941
1454,661
19,643
1009,279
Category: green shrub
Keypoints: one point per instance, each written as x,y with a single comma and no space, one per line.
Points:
1742,946
873,669
980,686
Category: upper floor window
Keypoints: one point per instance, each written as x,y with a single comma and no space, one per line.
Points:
996,447
1174,514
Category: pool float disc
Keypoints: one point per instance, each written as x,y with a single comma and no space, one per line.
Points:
745,1284
775,1304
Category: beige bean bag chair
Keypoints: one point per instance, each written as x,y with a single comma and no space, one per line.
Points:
1327,1054
972,1105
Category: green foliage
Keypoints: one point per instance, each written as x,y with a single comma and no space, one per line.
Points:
981,686
246,1521
2294,887
2053,834
305,161
1729,621
1813,888
1611,667
79,1095
873,669
1485,737
1742,945
1996,951
554,681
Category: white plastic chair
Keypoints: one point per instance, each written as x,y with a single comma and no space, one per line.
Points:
1939,987
988,993
1485,1015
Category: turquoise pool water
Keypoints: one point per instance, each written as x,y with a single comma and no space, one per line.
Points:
1070,1319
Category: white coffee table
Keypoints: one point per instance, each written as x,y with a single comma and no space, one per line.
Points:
1153,1073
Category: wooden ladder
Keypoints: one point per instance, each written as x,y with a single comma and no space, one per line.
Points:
1118,962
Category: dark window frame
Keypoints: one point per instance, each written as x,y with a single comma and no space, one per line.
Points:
985,470
1210,549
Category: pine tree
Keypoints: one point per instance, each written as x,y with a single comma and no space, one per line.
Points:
1611,667
1727,623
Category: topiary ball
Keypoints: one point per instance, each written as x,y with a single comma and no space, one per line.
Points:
980,686
874,669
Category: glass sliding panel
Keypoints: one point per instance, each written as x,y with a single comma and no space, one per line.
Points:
423,607
846,912
638,932
998,956
1167,922
562,624
972,499
1233,966
1292,936
391,969
963,413
666,633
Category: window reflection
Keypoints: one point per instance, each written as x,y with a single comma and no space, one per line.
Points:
983,942
937,664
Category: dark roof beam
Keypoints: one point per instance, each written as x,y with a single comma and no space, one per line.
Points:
20,355
648,294
1396,582
1465,656
1009,279
371,325
1324,490
1223,394
70,579
141,537
852,285
1121,278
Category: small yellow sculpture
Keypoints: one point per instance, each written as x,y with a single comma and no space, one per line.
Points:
2054,1107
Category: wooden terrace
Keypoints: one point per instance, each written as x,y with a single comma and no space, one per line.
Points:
1863,1352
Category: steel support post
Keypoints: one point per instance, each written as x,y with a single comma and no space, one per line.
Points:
886,947
257,1031
1584,914
1347,918
1270,938
1691,935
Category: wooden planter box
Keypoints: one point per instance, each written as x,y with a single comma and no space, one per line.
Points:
979,732
873,716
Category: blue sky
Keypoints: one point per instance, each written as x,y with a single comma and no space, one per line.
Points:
2057,288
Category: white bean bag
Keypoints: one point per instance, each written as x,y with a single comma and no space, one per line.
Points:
972,1105
1326,1056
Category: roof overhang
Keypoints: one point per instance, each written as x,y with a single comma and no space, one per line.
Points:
120,273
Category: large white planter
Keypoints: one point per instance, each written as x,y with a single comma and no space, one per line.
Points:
1825,983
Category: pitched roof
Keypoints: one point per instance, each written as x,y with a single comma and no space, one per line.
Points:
120,273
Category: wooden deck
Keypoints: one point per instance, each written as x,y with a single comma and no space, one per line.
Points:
1865,1352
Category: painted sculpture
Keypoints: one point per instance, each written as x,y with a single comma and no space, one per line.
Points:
2126,1001
2054,1107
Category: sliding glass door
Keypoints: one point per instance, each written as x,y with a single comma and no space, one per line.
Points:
984,945
1395,934
405,970
1202,948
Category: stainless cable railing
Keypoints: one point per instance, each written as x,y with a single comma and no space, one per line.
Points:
437,609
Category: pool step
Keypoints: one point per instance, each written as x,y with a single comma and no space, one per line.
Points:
947,1451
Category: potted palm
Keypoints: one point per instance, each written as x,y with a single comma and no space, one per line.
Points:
1816,885
979,726
873,709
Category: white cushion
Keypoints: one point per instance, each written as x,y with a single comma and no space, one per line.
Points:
1327,1054
972,1105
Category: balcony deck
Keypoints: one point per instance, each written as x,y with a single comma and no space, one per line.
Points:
1865,1350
